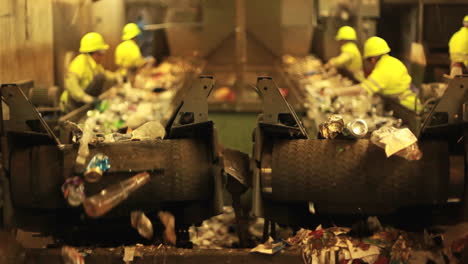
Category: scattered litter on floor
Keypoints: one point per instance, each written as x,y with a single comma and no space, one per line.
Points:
129,254
270,247
385,246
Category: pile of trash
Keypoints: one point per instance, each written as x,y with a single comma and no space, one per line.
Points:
311,76
386,245
146,99
170,74
354,117
395,141
217,232
128,108
220,231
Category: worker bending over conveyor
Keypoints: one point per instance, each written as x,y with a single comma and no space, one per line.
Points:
389,77
458,49
86,76
127,54
349,62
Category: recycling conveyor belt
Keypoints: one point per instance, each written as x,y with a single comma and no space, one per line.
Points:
357,174
181,171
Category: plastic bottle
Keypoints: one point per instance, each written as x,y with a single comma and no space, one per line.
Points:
99,204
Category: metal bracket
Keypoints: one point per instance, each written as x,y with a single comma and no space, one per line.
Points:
21,116
192,110
278,116
452,107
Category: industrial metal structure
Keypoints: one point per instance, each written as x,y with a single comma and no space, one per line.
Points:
293,173
184,167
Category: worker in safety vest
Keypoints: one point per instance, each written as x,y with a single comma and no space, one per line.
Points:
127,54
349,61
86,77
389,77
458,49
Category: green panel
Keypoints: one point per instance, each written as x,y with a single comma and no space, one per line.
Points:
235,129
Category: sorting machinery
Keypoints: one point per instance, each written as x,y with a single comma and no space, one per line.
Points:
295,179
184,168
298,179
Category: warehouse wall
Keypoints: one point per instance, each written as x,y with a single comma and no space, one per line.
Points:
71,20
26,41
37,35
108,18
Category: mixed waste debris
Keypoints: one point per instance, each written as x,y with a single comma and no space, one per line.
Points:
399,141
217,232
139,111
371,244
270,247
354,117
131,112
386,245
311,76
220,231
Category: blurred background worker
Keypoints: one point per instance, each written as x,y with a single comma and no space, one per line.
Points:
127,54
349,62
458,49
389,77
86,77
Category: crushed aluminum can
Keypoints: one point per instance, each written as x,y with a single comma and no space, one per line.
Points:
332,127
142,223
357,128
73,191
96,167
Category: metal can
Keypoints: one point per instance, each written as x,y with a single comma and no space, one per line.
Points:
333,127
357,128
93,174
96,168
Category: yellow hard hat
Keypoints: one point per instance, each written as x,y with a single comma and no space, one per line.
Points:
375,46
465,20
346,33
130,31
92,42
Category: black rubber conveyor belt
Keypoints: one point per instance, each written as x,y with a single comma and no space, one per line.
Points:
357,173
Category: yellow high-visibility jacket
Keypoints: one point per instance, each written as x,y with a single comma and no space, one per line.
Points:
81,73
128,55
458,46
390,78
350,58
